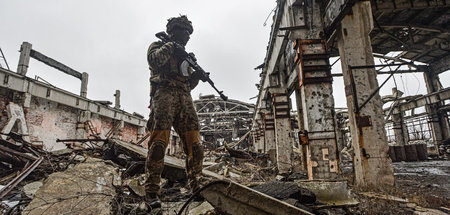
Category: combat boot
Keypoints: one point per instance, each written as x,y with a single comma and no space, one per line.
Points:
152,201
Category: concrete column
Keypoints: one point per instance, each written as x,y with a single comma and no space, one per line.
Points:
258,139
400,129
255,140
24,58
438,119
117,101
261,140
269,136
400,132
301,128
118,133
371,161
316,93
83,117
141,133
340,134
281,115
84,84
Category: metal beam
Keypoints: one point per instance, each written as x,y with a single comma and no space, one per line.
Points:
388,6
417,26
431,98
386,72
441,65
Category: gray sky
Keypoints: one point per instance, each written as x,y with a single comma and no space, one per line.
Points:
109,38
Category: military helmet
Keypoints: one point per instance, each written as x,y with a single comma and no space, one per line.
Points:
182,22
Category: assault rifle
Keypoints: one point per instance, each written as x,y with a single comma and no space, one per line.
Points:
190,58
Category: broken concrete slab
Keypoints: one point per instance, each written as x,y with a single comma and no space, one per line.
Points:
174,168
428,211
335,193
286,190
62,152
142,152
84,189
136,187
203,209
31,188
232,198
79,158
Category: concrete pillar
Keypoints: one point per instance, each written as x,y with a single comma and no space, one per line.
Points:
269,136
141,133
340,131
301,128
117,99
282,122
254,139
118,132
24,58
371,161
400,132
83,117
258,138
316,93
84,84
261,140
438,119
400,129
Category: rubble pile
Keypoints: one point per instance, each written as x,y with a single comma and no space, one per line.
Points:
25,167
108,178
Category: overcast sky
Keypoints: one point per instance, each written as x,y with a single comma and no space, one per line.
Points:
109,39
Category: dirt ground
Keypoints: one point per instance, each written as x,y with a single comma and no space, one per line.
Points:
419,188
427,183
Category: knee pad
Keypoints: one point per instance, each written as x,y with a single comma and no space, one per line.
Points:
158,149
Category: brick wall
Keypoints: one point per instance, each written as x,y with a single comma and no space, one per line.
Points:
48,121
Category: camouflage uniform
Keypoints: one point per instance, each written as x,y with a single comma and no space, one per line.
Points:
171,106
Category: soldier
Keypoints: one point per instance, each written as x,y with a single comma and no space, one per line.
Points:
171,105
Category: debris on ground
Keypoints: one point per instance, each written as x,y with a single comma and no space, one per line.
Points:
110,180
86,188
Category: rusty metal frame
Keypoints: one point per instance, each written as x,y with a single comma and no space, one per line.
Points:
27,169
20,177
300,59
269,123
277,109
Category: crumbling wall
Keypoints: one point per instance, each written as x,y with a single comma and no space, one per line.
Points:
101,125
129,133
4,100
48,121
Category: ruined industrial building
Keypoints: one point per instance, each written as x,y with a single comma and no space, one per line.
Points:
290,152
